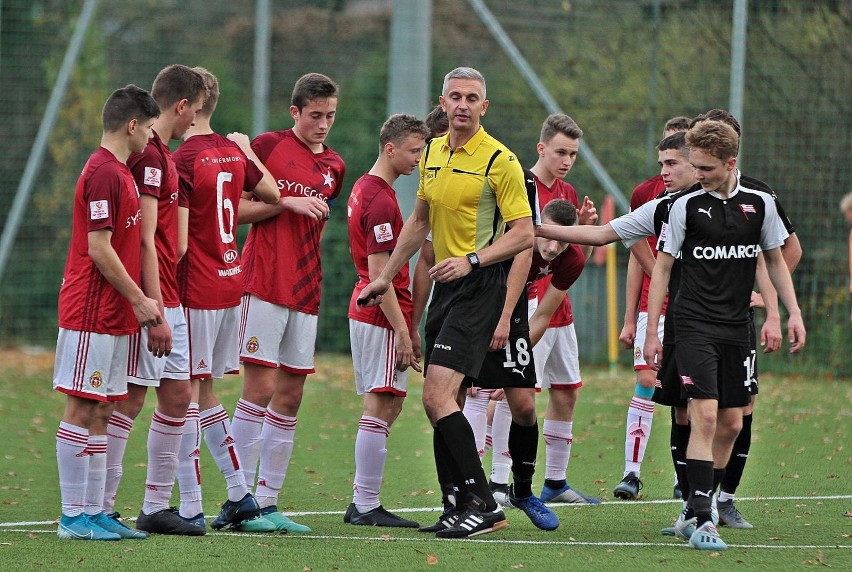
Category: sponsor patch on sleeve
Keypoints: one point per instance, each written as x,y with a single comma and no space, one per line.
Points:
98,210
383,232
153,176
664,234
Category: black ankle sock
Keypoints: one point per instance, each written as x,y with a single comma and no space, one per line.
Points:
739,456
523,446
460,444
554,484
682,432
448,478
701,483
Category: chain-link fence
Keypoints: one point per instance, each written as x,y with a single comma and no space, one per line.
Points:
619,67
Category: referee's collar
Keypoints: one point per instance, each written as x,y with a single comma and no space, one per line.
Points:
472,144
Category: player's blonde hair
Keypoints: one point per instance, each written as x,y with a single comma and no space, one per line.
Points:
714,137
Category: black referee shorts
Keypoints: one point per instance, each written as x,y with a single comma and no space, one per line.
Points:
462,317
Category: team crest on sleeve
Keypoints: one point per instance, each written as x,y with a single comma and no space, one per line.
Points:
153,176
383,232
252,345
98,210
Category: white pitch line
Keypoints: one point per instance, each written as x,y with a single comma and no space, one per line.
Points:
566,543
439,509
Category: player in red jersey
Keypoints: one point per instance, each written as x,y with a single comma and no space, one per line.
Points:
281,265
380,336
215,172
180,93
640,413
556,355
101,304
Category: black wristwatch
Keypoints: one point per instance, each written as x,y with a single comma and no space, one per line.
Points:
474,260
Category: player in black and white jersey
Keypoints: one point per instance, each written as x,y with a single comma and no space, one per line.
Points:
718,230
729,514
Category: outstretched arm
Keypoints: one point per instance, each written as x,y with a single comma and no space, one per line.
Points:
579,234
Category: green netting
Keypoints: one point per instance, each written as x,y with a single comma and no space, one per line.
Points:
619,67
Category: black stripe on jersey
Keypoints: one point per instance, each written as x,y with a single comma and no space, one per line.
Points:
491,161
751,183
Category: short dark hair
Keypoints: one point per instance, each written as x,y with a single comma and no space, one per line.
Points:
714,137
559,123
678,123
401,125
212,85
176,82
560,211
312,86
674,142
437,122
129,102
718,115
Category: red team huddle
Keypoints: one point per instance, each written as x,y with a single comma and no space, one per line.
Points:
153,244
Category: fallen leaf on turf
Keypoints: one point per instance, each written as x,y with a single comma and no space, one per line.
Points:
848,513
307,569
31,536
518,566
431,559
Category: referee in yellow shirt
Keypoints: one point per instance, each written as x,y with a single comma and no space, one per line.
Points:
471,185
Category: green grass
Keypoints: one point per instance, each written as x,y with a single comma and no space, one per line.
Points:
801,451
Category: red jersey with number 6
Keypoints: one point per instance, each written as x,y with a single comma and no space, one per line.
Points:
214,172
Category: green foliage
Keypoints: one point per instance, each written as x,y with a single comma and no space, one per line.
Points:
596,58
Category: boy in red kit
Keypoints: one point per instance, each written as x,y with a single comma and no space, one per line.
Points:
94,330
281,263
380,336
640,412
215,172
180,93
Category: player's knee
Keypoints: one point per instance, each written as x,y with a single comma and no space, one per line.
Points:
175,401
524,415
703,422
644,391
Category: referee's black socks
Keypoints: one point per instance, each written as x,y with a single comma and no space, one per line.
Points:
460,445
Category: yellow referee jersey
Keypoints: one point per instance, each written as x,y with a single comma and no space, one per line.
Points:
472,191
